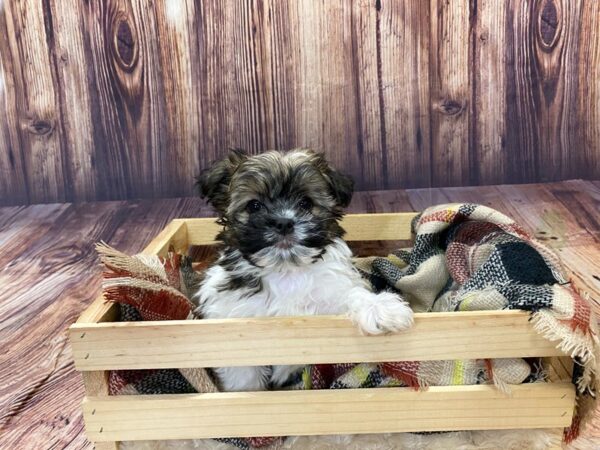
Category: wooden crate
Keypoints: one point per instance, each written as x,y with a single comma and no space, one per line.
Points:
100,345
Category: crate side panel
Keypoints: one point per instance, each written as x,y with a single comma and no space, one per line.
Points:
303,340
359,227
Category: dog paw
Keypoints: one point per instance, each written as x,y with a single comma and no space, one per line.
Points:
387,313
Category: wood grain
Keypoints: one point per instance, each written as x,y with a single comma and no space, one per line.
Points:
329,411
450,92
118,99
31,106
587,118
49,275
488,146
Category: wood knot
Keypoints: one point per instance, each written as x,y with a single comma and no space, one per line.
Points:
549,24
450,107
125,49
61,256
40,127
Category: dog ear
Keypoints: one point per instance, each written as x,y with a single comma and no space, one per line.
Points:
213,183
342,186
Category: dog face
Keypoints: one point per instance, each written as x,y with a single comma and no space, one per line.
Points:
277,207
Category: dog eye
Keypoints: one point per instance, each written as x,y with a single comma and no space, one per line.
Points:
306,203
254,206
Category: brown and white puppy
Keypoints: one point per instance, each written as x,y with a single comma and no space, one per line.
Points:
283,252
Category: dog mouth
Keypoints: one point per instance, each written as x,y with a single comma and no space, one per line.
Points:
285,243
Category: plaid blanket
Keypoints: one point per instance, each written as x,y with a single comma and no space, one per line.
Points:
469,257
465,257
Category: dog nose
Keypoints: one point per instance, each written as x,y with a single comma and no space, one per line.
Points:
284,225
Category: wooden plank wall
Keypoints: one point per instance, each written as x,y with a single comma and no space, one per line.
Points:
115,99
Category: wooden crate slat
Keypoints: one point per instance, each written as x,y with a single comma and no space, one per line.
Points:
303,340
202,231
559,368
359,227
99,311
175,233
378,227
382,410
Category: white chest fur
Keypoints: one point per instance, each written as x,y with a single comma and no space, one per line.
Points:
316,288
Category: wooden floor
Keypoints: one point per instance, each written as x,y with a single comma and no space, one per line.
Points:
49,273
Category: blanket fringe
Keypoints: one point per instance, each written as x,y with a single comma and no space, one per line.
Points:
574,344
500,383
148,267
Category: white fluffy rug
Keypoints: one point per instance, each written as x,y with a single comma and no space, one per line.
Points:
463,440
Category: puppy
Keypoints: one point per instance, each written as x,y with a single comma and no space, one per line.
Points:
283,252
